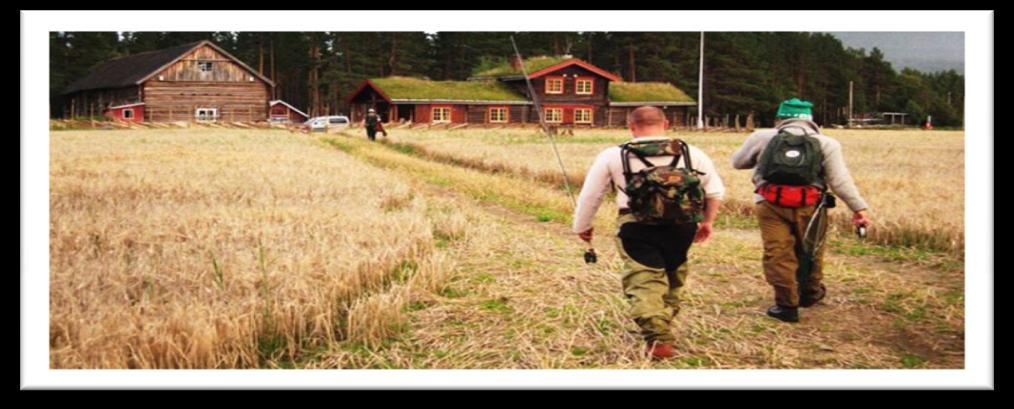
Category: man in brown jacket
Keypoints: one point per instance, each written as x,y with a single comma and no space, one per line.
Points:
783,228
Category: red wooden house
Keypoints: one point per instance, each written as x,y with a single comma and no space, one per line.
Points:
403,99
571,91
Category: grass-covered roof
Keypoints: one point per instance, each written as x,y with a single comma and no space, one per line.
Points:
407,88
532,64
647,92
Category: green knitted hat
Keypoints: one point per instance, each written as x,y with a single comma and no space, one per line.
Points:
795,108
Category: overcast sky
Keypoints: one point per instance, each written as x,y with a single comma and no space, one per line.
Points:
924,51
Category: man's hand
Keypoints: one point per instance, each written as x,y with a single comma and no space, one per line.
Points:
703,232
860,218
586,235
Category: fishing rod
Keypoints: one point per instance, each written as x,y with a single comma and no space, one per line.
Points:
589,255
819,218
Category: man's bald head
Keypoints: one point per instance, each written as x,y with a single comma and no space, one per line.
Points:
646,121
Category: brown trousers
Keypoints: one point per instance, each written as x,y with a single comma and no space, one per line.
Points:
783,230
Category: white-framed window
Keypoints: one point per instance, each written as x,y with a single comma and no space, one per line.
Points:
582,116
554,85
205,66
583,87
554,115
497,114
206,114
128,113
441,115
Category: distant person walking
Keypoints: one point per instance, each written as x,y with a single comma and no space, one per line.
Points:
373,124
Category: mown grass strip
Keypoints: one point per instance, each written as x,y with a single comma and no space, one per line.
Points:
540,202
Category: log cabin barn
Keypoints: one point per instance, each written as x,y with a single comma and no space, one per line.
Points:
282,112
571,91
196,82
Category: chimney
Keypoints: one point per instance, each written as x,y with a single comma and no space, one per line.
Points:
515,62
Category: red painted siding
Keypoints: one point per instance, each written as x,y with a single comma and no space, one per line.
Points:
568,112
117,114
422,113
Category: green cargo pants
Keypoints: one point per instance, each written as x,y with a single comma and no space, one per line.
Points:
654,273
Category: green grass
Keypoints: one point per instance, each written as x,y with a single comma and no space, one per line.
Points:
451,292
417,88
484,278
912,361
270,346
497,305
895,253
404,270
694,362
531,64
647,92
416,306
579,351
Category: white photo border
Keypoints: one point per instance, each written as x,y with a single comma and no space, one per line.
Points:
34,217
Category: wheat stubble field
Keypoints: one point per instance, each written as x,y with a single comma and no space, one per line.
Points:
237,248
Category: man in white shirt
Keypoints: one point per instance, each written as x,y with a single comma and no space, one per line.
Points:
654,256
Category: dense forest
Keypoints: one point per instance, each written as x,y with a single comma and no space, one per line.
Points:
744,72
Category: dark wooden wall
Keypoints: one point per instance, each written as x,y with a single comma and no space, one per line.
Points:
95,102
176,101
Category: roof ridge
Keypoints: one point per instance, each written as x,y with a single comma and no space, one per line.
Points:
188,45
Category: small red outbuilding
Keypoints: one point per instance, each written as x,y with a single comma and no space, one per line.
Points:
281,111
127,112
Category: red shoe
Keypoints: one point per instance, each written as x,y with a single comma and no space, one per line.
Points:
660,350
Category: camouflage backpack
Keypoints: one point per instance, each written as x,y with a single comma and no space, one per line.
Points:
664,194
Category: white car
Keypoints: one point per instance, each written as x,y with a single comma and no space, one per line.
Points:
325,123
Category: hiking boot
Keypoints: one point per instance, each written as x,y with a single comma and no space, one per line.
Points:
811,300
786,314
660,350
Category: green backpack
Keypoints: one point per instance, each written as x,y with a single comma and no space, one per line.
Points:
662,194
791,159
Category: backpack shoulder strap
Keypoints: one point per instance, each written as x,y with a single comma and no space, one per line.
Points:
687,163
625,151
803,128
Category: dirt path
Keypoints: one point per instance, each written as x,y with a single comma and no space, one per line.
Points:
522,297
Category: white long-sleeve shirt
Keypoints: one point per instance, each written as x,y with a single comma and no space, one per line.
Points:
607,171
